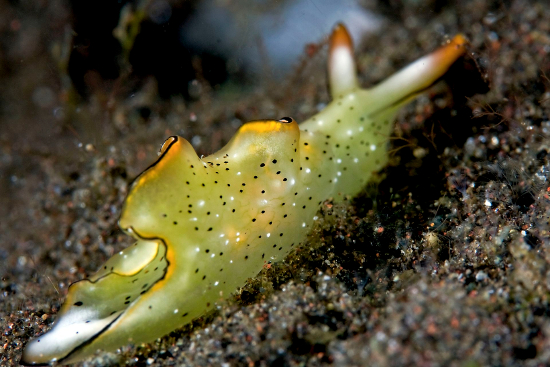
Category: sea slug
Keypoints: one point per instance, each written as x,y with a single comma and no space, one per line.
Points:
205,225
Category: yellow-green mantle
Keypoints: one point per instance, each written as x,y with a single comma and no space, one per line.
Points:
205,225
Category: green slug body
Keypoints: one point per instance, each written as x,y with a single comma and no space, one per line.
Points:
205,225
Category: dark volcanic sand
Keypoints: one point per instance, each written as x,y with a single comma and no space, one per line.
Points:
444,263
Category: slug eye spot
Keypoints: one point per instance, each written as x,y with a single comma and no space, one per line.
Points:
286,120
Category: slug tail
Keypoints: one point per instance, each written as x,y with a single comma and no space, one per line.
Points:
342,71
